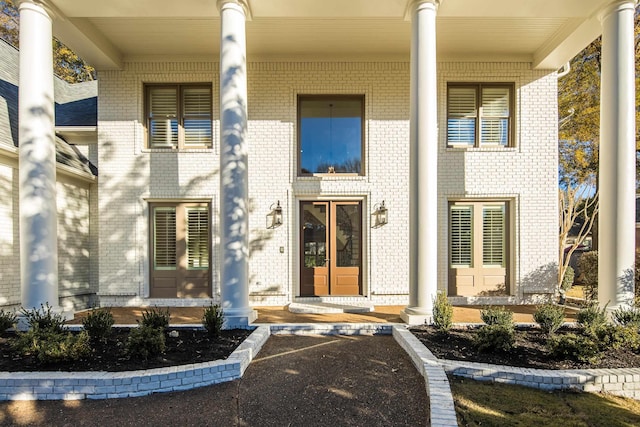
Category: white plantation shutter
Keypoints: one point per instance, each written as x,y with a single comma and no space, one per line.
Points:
196,112
462,110
197,237
495,116
493,235
163,116
164,241
461,236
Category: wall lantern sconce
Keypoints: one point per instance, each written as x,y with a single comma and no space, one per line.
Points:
274,217
381,214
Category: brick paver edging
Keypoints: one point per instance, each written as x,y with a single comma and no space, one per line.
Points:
105,385
620,382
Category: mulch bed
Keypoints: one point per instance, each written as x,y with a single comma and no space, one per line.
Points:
529,351
190,346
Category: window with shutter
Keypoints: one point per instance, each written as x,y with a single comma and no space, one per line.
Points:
179,116
479,114
461,236
493,235
164,238
197,238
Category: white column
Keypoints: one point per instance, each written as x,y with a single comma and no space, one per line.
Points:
616,227
234,192
37,153
423,226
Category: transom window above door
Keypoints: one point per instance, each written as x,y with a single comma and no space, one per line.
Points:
479,115
178,116
330,134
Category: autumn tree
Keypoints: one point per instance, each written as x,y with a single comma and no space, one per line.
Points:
66,64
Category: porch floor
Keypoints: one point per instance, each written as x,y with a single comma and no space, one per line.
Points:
280,314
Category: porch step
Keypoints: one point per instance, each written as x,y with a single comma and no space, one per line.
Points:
328,308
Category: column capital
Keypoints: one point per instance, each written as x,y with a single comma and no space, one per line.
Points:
236,4
413,5
615,6
41,6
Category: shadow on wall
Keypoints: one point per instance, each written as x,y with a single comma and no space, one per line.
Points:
543,279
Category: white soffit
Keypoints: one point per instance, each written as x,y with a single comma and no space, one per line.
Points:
544,32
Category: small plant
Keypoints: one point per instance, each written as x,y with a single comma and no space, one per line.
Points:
98,323
212,320
495,337
145,341
7,320
156,317
442,313
627,316
592,317
588,267
496,316
575,347
550,317
49,346
567,279
44,319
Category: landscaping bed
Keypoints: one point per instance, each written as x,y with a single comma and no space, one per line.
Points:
109,354
529,351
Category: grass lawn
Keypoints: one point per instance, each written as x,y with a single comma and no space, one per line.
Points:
488,404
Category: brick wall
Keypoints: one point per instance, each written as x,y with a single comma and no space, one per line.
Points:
131,174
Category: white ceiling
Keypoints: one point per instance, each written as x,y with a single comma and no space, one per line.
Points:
544,32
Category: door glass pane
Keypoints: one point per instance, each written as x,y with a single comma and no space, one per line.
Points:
164,239
314,234
493,235
461,232
197,238
330,135
347,233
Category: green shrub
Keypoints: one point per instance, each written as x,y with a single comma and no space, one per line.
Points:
616,337
212,320
98,323
44,319
50,346
567,279
442,313
7,320
574,347
156,317
550,317
588,267
637,278
591,318
495,337
144,342
627,316
496,316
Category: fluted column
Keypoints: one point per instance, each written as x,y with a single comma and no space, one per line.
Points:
234,192
37,164
423,231
616,224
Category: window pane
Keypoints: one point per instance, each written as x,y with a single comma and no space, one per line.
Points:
493,235
495,116
196,113
461,240
197,238
330,135
164,241
348,235
163,121
461,122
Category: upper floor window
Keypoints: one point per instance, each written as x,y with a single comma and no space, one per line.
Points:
330,134
480,115
178,116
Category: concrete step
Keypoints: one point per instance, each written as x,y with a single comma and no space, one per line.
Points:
328,308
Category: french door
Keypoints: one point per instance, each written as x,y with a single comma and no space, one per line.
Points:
330,248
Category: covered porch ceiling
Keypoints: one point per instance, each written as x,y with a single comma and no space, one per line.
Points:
546,33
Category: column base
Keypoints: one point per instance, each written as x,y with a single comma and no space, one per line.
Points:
416,316
238,318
